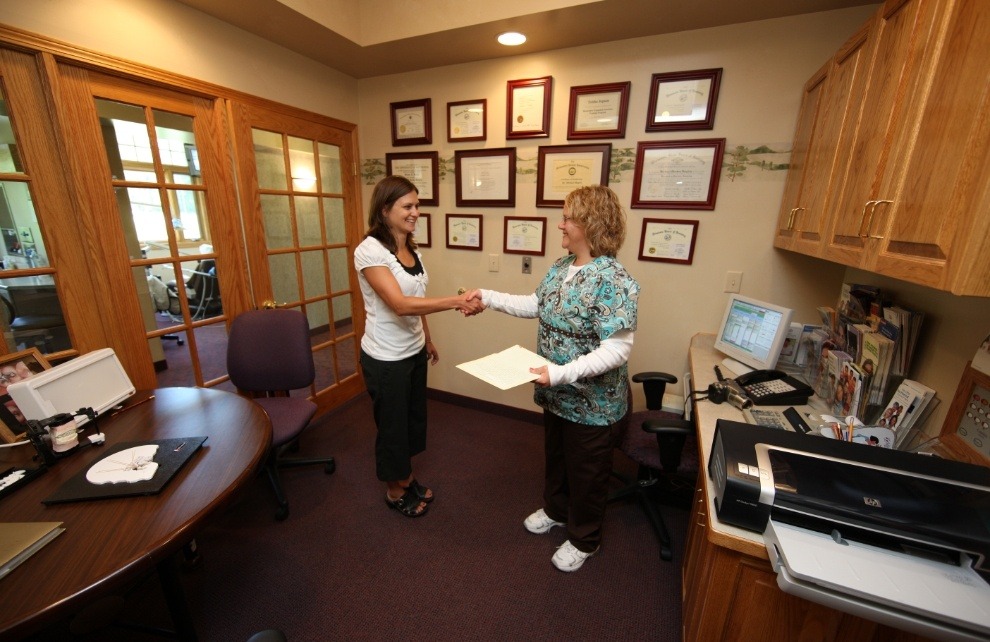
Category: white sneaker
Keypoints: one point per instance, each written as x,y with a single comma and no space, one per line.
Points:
539,522
568,558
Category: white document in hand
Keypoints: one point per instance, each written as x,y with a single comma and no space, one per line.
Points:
506,369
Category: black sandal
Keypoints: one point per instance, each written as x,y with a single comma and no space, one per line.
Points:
408,504
420,491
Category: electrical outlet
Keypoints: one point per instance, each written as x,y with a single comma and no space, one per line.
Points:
493,262
527,265
733,280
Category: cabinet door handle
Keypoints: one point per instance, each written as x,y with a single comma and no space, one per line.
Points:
864,226
794,220
870,228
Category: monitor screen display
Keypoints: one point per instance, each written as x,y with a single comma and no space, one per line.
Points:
752,334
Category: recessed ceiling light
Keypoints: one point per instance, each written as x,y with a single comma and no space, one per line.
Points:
511,38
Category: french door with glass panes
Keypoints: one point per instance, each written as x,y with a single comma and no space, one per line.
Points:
159,202
299,201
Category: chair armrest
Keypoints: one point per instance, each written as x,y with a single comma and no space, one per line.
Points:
669,426
654,385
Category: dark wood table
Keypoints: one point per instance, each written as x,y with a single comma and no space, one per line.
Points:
109,542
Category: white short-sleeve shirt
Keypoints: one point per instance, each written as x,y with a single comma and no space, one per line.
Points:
388,336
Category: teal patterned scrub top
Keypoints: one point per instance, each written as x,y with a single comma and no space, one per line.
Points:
574,318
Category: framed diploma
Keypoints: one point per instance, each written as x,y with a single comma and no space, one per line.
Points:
467,120
668,241
486,177
678,175
464,231
564,168
683,100
966,429
411,122
525,235
598,111
422,233
422,168
527,113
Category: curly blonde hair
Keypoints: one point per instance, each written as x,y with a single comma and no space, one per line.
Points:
596,208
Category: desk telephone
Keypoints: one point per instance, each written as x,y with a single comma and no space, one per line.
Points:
774,388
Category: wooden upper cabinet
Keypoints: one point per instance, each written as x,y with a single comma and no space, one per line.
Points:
804,219
890,179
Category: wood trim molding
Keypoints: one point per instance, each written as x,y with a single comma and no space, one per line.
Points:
64,52
507,412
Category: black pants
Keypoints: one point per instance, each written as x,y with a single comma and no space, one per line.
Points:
578,464
398,393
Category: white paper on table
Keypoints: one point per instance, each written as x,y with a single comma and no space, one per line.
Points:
506,369
127,466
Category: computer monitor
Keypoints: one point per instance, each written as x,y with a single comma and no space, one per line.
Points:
751,334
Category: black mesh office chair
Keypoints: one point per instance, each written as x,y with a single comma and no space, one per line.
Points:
202,291
665,448
268,354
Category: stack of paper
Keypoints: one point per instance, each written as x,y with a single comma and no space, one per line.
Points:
506,369
21,540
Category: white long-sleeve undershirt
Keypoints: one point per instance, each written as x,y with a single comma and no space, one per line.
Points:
610,353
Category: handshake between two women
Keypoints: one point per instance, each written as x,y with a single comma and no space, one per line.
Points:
470,302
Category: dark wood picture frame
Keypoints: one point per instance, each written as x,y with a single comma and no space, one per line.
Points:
412,122
427,180
679,176
674,90
668,240
463,120
493,170
465,232
522,110
573,159
424,233
14,367
523,233
590,105
974,388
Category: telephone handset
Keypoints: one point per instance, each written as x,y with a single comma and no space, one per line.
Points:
774,388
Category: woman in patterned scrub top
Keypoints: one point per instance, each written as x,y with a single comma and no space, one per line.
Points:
586,306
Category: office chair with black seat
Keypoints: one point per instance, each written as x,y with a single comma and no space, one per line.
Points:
202,292
665,448
268,355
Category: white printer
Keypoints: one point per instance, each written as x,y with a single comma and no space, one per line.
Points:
895,537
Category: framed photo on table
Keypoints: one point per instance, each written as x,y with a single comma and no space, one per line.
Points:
683,100
486,177
422,233
525,235
678,175
422,168
412,123
527,113
668,241
563,168
464,231
14,367
467,120
598,111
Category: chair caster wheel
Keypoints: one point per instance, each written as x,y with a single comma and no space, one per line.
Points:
282,513
330,467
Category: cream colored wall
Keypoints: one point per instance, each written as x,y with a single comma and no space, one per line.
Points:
765,65
171,36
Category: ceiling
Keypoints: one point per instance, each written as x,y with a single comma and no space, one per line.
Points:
366,38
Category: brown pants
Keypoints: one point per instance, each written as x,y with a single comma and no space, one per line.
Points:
578,463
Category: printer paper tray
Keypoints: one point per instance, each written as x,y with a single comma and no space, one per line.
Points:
931,598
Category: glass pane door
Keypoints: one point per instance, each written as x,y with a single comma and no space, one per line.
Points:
162,207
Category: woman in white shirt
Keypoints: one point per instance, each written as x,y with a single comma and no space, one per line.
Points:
397,345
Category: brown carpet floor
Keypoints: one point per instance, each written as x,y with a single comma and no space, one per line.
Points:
345,567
